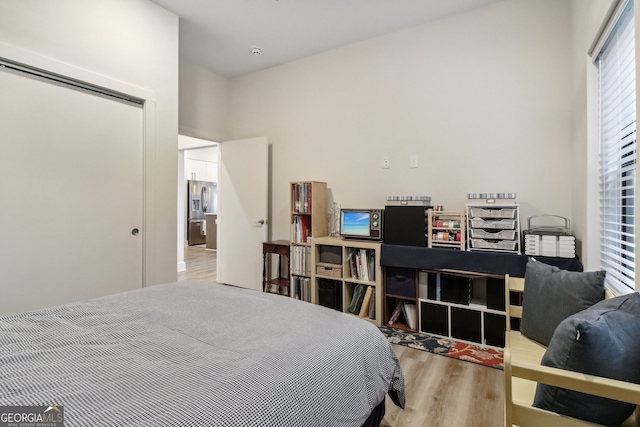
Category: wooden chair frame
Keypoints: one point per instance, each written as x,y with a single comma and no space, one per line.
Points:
522,372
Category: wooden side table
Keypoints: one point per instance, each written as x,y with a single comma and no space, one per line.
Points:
280,248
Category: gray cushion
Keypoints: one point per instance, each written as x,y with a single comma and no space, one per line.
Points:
551,295
603,340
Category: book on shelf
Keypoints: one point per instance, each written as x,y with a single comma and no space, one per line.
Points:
351,262
372,304
302,197
358,265
395,316
371,253
301,229
301,288
356,301
409,311
301,260
361,264
364,309
404,313
364,265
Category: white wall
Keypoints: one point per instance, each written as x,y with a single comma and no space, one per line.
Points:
586,18
205,154
203,103
133,41
482,98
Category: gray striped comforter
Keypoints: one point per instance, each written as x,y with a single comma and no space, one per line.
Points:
188,354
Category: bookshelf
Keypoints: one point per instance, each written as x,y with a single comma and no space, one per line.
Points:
462,305
459,294
308,221
345,269
400,289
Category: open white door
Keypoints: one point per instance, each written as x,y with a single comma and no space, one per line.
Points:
243,208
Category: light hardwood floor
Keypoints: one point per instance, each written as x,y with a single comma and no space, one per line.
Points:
441,391
201,264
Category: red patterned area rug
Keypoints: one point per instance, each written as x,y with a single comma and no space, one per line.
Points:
486,356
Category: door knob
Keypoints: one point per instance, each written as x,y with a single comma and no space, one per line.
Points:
261,222
135,231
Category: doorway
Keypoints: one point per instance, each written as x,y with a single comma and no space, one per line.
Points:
243,223
198,162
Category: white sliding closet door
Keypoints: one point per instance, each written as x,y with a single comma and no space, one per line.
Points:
71,193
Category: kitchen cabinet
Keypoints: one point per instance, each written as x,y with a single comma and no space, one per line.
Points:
200,170
212,231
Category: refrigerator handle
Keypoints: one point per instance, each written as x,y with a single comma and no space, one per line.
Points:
204,198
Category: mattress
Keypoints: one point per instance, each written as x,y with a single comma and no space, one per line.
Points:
191,354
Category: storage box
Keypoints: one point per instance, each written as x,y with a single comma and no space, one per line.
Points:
330,254
456,289
400,281
330,293
550,245
466,324
504,224
495,295
501,234
426,203
494,327
549,239
434,318
493,213
508,245
409,201
328,270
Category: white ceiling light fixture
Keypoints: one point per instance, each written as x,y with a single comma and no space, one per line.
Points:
257,51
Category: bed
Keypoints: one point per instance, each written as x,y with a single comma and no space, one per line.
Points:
192,354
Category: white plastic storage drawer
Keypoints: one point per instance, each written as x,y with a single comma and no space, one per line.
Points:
503,224
502,234
493,213
483,244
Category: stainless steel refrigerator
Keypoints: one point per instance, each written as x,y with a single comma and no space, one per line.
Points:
202,198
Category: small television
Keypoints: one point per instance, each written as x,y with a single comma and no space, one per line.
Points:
361,223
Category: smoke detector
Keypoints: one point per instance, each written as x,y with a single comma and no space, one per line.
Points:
257,51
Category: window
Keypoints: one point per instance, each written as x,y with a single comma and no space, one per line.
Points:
616,65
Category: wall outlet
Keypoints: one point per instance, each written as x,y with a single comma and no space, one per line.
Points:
386,164
413,161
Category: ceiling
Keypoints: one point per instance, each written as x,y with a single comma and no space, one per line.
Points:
220,34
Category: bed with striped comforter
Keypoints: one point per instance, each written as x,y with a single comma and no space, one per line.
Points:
190,354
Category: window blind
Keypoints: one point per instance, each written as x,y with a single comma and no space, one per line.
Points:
616,63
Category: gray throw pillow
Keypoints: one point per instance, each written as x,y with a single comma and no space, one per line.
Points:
603,340
551,295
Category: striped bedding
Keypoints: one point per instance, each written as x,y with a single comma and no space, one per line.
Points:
190,354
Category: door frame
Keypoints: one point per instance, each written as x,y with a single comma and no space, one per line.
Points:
71,74
186,142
